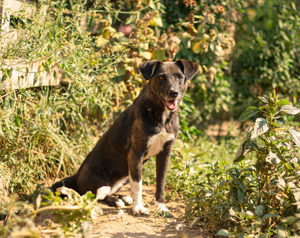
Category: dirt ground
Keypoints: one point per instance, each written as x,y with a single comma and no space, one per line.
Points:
119,223
116,223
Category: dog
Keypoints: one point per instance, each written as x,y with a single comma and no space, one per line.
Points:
147,128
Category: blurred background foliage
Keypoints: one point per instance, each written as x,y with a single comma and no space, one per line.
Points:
244,50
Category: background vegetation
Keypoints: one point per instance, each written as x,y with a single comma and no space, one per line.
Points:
245,49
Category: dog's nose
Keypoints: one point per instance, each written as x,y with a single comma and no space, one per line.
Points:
173,93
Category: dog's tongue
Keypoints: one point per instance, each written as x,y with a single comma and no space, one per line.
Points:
171,104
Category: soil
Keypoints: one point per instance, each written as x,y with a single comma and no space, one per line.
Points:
225,128
119,223
116,223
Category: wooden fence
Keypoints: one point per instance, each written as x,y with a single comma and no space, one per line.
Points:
18,73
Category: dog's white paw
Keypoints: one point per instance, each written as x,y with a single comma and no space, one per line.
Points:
127,200
120,203
102,192
163,210
139,209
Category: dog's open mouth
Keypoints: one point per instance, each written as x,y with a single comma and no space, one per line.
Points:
171,104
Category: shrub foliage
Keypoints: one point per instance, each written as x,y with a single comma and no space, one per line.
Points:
245,49
261,195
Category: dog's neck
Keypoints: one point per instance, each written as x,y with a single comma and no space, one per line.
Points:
155,107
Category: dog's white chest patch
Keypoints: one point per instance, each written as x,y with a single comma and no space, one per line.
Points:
157,142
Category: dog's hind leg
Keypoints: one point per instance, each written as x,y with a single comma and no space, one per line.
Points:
114,201
69,182
91,178
119,184
119,201
126,199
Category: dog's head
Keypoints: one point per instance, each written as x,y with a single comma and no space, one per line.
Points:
169,79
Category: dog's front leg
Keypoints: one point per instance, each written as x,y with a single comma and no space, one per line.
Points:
135,162
162,163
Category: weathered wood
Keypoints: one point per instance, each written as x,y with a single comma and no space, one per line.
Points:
17,75
14,6
10,8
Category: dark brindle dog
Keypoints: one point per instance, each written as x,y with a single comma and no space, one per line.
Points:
145,129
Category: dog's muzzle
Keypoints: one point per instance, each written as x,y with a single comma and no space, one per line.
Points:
171,104
172,101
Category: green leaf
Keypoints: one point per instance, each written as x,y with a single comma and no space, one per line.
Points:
17,120
289,220
121,71
249,112
269,215
241,195
156,21
284,36
263,99
249,214
89,196
283,102
260,127
242,186
223,232
290,109
196,47
186,35
296,136
259,211
159,54
243,149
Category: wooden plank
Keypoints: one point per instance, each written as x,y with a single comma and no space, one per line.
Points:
5,16
14,6
17,74
10,8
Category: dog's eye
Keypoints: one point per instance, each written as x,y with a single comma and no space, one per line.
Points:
162,77
178,76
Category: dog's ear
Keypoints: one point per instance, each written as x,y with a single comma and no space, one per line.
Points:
148,68
188,68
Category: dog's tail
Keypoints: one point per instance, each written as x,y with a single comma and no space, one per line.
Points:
69,182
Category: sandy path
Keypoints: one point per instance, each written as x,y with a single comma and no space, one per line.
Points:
116,224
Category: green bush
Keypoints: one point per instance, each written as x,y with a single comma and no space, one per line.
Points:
267,51
261,195
74,214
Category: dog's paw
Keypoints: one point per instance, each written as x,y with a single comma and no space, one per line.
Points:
102,192
127,200
120,203
163,210
139,210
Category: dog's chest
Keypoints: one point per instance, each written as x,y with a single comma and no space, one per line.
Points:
156,143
